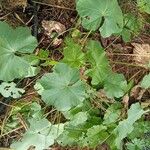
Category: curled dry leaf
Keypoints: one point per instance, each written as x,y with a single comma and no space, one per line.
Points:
126,100
51,27
142,54
137,92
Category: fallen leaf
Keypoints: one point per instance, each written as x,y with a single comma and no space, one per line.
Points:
126,100
53,26
142,54
137,92
53,29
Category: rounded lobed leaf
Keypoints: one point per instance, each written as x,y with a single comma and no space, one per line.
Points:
14,43
104,15
62,88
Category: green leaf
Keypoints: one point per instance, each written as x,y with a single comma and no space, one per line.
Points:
70,138
10,90
73,54
112,113
79,118
84,108
146,81
75,135
76,34
98,61
62,88
144,5
72,134
14,43
136,144
115,85
49,63
125,127
140,128
36,111
41,134
95,135
43,54
132,26
103,15
26,109
126,35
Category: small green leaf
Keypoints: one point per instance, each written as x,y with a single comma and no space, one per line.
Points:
144,5
112,113
49,63
98,61
140,128
73,54
10,90
84,108
94,136
79,118
115,85
146,81
104,15
70,138
43,54
62,88
136,144
132,27
76,33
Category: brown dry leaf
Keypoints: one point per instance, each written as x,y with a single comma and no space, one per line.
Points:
142,54
146,103
137,92
56,42
126,100
53,26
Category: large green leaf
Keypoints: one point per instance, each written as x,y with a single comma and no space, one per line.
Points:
62,88
14,44
98,61
104,15
73,54
125,127
41,134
